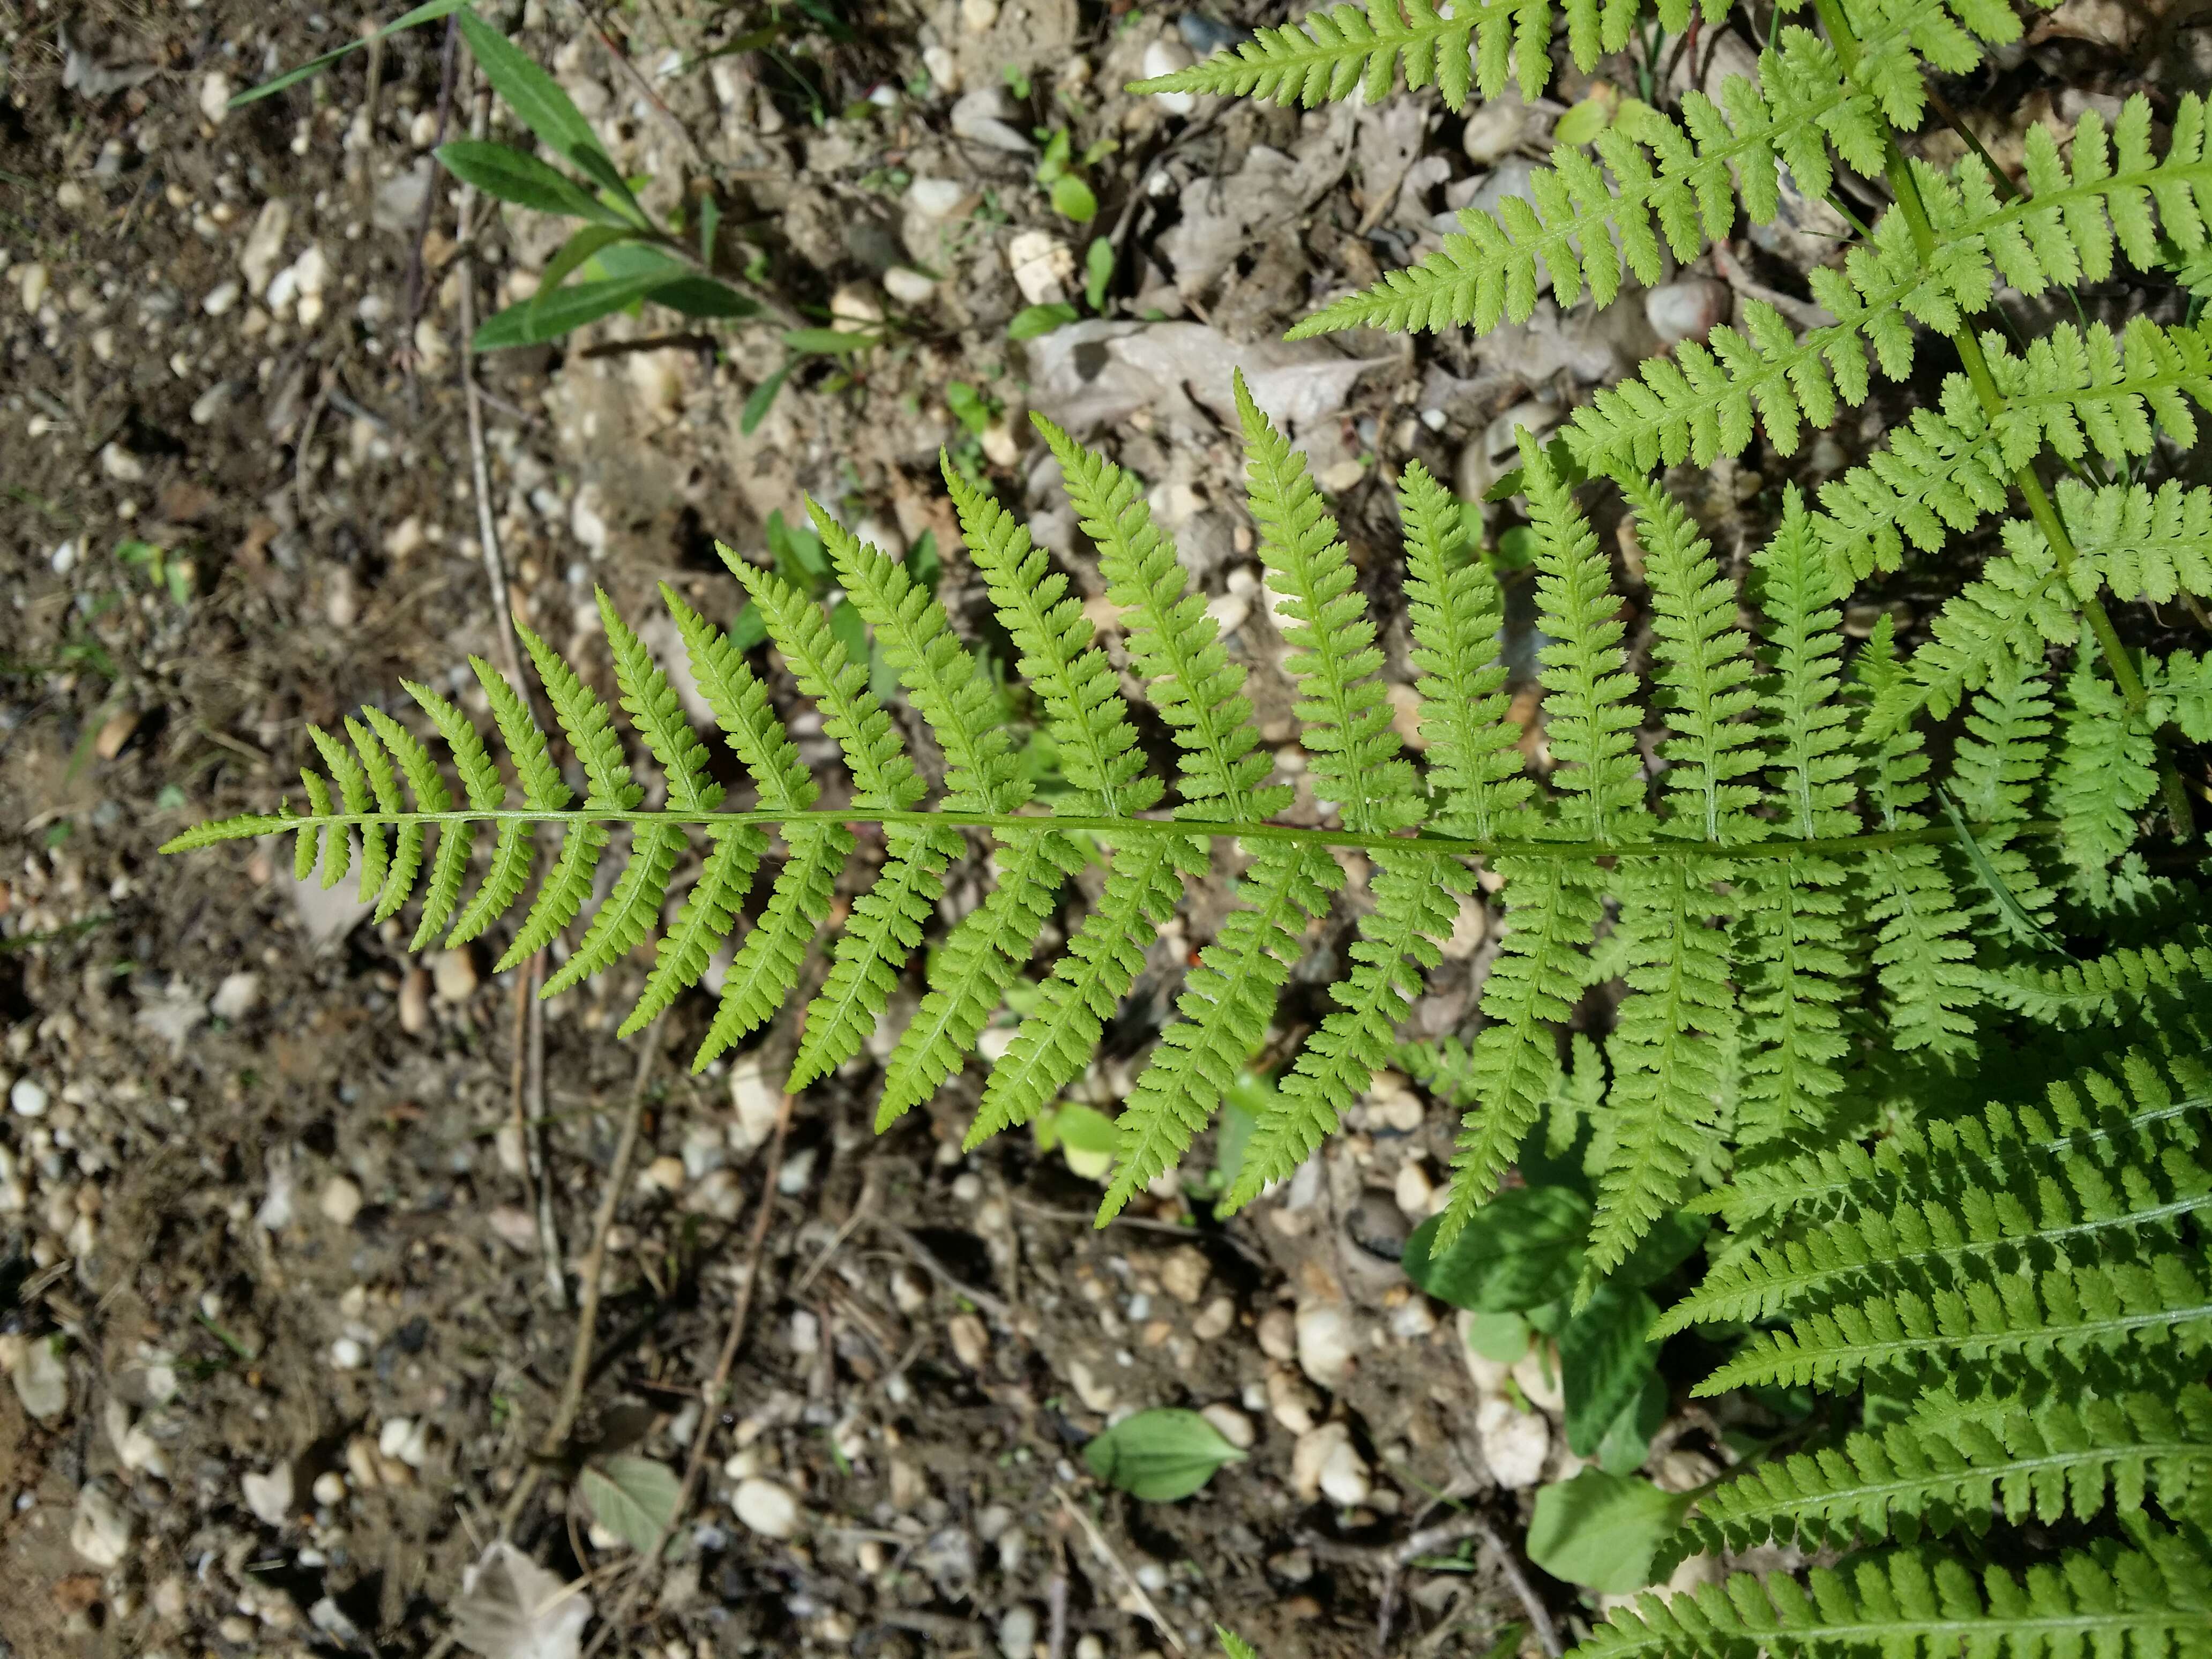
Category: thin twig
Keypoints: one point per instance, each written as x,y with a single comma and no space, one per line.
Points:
517,1088
1391,1560
1106,1553
1055,1600
623,61
595,1264
718,1388
533,1134
938,1271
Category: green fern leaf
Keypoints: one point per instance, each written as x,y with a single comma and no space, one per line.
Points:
2145,545
480,782
2104,990
2106,773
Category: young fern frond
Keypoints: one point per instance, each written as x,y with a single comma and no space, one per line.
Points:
2106,773
2106,989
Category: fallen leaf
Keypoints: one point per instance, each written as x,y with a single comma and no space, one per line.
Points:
510,1608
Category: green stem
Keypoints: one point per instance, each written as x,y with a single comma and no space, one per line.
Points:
1906,189
1018,823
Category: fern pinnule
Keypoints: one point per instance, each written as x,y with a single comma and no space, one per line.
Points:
2046,1460
480,782
2101,990
2106,773
1553,906
352,797
2153,1600
1356,764
2145,545
430,794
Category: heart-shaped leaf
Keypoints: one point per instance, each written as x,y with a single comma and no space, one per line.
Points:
633,1497
1603,1531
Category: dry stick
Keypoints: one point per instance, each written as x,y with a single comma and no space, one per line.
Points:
588,1310
510,655
651,93
1105,1553
1394,1559
718,1386
938,1271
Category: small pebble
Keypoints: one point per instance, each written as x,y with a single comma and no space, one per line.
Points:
270,1496
31,285
41,1378
1278,1333
222,297
101,1531
1215,1319
935,198
1017,1631
908,286
341,1200
329,1489
977,17
406,1440
453,975
664,1173
215,97
1232,1426
1325,1344
1514,1443
235,997
755,1101
27,1098
347,1355
1687,308
1163,58
969,1340
1415,1192
1493,130
415,1002
1096,1393
766,1508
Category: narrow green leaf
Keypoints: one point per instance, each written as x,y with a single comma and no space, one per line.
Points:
512,176
1159,1456
1603,1531
578,251
757,402
548,317
1583,122
828,341
299,72
1520,1250
1098,272
530,92
710,226
2030,932
1032,320
702,296
633,1497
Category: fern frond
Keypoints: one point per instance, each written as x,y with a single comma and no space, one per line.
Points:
1454,612
2153,1603
1670,1034
2103,990
543,789
1794,965
2106,773
352,797
2044,1461
480,782
1098,751
1980,1195
1995,767
2021,602
2147,546
1552,907
1922,954
430,795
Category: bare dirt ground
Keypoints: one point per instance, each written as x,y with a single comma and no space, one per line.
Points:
273,1276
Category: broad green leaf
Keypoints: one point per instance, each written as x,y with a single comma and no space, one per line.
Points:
508,174
750,628
1603,1360
850,629
1627,1439
828,341
1242,1105
426,13
1502,1338
968,407
633,1497
923,564
530,92
1602,1531
758,399
578,250
1032,320
1673,1240
1085,1138
1522,1248
548,317
1071,196
1584,121
702,296
1159,1456
1098,272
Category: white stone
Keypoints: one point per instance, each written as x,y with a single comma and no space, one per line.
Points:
1017,1631
1688,308
1096,1393
347,1354
981,117
215,96
31,285
1170,56
664,1173
944,68
264,245
1515,1443
1041,264
855,308
766,1508
1414,1191
453,975
329,1489
270,1496
222,297
1412,1321
970,1341
1325,1462
41,1378
27,1098
234,998
1183,1274
1290,1402
406,1439
1231,1425
757,1102
977,17
1469,928
935,198
101,1531
1215,1319
341,1200
1325,1344
120,464
719,1197
1537,1376
908,286
1493,130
